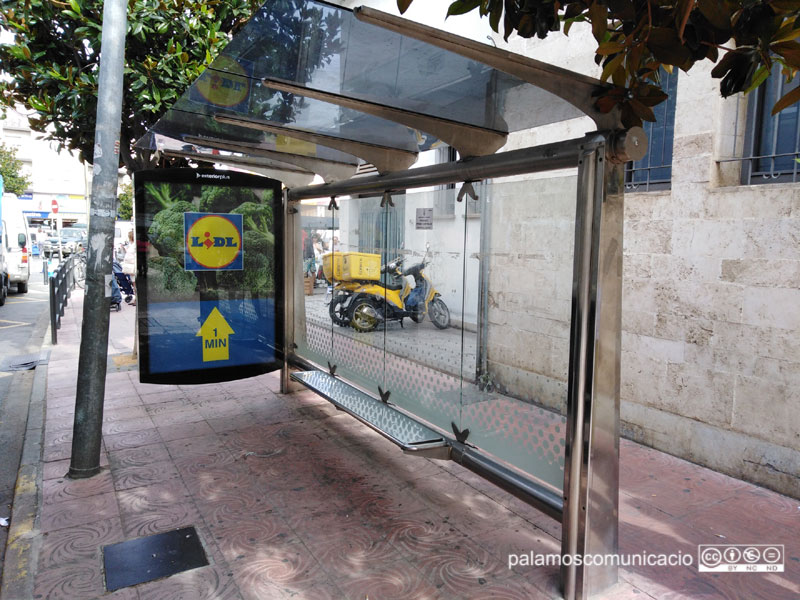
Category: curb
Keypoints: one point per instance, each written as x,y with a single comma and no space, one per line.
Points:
22,547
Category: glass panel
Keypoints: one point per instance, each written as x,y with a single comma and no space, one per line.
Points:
313,325
320,46
326,48
424,341
514,248
185,127
515,406
359,343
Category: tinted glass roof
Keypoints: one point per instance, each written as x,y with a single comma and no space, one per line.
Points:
317,48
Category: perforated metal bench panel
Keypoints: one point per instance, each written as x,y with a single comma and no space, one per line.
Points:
401,429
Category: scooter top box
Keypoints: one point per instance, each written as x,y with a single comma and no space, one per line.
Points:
349,266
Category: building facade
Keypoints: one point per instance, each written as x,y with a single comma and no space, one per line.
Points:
55,176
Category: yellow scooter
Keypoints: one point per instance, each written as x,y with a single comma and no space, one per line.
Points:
365,304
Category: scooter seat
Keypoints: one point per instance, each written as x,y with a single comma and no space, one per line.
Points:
394,287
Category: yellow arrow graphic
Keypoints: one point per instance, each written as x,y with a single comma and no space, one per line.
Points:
214,333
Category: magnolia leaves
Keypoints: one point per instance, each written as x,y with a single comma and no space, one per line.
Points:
637,38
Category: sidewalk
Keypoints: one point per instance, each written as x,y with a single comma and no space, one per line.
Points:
292,499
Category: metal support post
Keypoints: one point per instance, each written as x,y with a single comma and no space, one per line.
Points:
288,286
591,469
87,429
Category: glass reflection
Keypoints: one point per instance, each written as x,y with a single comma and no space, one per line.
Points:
461,310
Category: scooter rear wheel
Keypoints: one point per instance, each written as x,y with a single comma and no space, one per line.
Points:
439,313
363,315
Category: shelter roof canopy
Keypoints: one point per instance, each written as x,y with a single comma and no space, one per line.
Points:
310,78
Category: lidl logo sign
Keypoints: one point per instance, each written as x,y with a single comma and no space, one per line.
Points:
226,83
213,242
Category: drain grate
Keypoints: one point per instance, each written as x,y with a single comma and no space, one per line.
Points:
152,557
24,362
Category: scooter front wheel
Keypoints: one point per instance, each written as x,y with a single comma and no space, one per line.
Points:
364,315
337,309
439,313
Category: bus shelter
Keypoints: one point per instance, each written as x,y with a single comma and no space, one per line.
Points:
470,309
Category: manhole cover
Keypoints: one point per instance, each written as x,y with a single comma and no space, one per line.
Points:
152,557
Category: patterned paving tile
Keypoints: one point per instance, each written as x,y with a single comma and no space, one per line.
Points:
127,425
397,581
168,406
200,445
196,465
57,451
205,583
350,549
77,512
459,567
123,412
281,566
176,417
81,543
239,536
56,469
141,475
60,490
156,508
184,430
138,456
69,582
131,439
231,423
508,590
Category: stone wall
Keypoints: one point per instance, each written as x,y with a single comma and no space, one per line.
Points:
711,308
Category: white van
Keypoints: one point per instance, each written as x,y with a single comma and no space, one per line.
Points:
16,242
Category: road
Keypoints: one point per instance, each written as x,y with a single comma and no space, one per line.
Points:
23,323
19,334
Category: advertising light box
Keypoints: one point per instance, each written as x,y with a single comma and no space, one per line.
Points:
209,275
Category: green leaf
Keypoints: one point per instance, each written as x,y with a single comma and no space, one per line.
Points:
611,66
598,15
75,6
460,7
643,112
790,51
667,47
496,12
715,13
610,48
760,77
786,33
787,100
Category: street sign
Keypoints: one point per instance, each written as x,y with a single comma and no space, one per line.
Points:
209,273
54,206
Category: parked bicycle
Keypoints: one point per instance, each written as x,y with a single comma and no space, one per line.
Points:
79,269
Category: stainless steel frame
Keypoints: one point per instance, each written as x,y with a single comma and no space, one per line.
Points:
382,157
469,140
589,508
591,465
